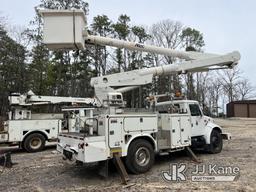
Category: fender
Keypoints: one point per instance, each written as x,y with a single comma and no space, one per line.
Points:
137,136
208,130
43,132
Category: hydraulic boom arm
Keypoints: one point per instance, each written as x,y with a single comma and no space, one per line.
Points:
67,29
31,99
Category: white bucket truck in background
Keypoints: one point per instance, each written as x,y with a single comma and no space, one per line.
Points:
32,130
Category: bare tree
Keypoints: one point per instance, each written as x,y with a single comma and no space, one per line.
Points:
202,85
229,80
244,89
215,90
18,33
166,33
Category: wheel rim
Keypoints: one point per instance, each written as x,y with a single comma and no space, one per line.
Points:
35,143
142,156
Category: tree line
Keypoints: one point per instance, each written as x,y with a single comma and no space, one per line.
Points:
26,64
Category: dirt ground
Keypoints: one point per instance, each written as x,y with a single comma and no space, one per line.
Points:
46,171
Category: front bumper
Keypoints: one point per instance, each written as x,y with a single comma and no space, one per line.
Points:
226,136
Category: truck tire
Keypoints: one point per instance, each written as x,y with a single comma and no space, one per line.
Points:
140,157
34,143
216,142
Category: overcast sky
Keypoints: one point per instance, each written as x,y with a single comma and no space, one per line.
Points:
227,25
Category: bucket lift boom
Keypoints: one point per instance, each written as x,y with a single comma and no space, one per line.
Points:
67,29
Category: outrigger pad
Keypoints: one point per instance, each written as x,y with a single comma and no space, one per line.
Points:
5,160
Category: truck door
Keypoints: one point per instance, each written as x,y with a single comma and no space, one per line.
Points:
197,120
115,126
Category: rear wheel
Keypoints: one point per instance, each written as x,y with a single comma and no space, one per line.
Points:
34,143
216,142
140,157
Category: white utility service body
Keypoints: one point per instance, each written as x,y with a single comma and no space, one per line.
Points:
112,130
136,136
165,131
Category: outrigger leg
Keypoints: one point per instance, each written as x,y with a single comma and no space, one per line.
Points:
193,155
121,168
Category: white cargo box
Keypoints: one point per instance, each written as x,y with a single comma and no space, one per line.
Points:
63,29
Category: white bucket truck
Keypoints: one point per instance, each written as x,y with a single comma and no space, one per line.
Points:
32,130
137,136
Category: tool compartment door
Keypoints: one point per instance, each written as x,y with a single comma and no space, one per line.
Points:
140,123
180,130
185,130
175,131
115,132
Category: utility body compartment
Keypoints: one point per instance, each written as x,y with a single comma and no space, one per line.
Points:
174,131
